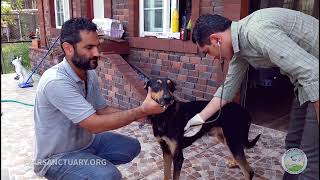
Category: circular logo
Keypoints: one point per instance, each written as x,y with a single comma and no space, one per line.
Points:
294,161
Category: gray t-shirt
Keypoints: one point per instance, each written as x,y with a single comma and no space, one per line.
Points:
61,103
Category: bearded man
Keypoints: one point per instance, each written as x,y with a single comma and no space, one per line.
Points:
72,118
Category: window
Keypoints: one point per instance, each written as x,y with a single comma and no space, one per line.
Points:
156,17
61,8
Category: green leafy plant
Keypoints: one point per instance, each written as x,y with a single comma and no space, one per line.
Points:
18,5
6,9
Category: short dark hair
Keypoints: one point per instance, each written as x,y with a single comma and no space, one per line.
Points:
206,25
70,31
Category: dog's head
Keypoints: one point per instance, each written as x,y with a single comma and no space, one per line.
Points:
161,90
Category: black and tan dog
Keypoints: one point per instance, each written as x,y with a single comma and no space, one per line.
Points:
231,128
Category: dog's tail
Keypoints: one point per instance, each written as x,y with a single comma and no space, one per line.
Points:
249,144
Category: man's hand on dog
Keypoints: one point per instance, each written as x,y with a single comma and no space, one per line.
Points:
149,106
193,126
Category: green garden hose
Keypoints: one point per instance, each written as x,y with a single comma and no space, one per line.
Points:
15,101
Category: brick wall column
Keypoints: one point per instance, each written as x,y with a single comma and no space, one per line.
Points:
119,83
41,23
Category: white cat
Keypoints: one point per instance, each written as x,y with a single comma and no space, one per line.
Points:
21,71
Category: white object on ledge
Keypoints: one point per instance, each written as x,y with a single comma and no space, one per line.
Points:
109,27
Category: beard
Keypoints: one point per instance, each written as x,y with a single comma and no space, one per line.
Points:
84,63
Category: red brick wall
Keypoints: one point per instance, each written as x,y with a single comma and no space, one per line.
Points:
206,6
82,9
211,6
232,9
36,55
119,83
218,7
228,8
197,78
47,20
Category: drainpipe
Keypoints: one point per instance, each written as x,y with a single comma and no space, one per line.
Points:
43,34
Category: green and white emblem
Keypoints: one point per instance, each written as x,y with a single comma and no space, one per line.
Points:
294,161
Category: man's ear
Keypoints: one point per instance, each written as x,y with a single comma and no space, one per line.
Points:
215,38
146,84
68,48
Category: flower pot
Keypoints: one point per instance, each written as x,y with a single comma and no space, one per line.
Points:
35,43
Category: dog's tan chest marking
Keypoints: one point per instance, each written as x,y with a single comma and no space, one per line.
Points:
172,144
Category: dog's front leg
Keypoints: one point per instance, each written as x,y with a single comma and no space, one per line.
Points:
167,160
177,163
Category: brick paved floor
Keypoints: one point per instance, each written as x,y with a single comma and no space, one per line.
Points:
205,159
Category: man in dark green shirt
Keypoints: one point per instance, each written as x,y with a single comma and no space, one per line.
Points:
273,37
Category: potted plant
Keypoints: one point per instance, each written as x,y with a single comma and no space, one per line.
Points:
34,36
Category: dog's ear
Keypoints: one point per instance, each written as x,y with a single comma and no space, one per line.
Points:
146,84
13,58
172,85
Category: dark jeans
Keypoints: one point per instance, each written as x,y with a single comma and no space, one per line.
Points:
98,161
303,133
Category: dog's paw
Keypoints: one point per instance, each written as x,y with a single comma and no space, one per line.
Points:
231,163
17,77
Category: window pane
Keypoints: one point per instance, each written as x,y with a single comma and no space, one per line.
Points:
58,5
158,3
146,23
59,12
60,19
146,4
158,18
153,3
65,10
153,20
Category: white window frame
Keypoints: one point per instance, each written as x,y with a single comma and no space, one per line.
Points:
66,12
98,8
166,33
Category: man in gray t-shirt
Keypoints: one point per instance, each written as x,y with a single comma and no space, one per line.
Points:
72,118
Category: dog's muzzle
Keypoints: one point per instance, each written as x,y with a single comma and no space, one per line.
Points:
164,103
